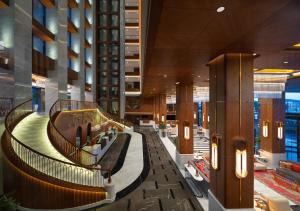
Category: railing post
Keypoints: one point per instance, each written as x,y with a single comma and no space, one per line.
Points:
109,176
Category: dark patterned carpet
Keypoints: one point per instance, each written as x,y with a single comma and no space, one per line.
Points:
162,189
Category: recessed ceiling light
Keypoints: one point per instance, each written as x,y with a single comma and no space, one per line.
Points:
220,9
285,62
199,76
177,83
254,54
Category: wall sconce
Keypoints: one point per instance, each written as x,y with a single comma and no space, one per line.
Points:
207,118
265,129
240,157
279,130
157,117
215,146
186,131
195,116
163,118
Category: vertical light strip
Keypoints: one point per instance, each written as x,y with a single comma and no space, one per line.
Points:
140,40
240,113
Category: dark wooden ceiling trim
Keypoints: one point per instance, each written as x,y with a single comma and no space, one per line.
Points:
4,4
87,24
87,44
41,64
48,3
132,41
132,24
135,56
71,27
72,54
42,32
72,4
88,65
131,8
72,75
87,4
88,87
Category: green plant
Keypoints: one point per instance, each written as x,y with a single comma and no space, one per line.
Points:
257,140
162,126
8,204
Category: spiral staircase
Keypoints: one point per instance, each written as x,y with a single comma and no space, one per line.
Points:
45,170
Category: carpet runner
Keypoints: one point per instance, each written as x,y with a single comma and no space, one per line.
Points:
266,177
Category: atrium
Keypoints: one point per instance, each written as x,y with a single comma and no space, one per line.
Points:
150,105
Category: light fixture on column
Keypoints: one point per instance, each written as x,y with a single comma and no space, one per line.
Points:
207,118
240,157
279,130
265,129
157,117
186,127
195,116
163,118
215,146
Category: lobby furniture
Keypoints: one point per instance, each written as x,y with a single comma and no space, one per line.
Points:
261,204
288,175
260,163
276,203
259,166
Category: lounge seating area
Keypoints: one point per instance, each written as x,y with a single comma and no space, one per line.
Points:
288,175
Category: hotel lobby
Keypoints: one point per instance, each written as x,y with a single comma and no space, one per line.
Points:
153,105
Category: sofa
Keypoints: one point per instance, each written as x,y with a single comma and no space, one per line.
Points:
276,203
288,175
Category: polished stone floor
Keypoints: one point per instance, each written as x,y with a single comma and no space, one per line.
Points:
163,189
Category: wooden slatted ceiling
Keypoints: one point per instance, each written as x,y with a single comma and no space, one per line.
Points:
184,35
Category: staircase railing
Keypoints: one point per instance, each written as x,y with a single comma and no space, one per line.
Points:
61,143
36,163
64,145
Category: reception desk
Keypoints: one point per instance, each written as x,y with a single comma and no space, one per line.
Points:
103,144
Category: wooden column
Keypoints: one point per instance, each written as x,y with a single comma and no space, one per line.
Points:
156,109
205,115
185,117
160,108
231,116
196,116
273,112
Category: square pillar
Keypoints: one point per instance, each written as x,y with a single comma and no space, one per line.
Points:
205,115
185,118
272,114
231,120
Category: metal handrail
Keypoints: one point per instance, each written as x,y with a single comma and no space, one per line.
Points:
63,144
42,164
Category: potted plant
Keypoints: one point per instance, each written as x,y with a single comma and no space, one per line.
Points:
163,129
8,204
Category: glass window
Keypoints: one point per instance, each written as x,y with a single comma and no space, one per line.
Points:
115,6
103,5
39,12
38,44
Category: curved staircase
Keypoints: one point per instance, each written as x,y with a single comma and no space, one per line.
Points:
37,174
